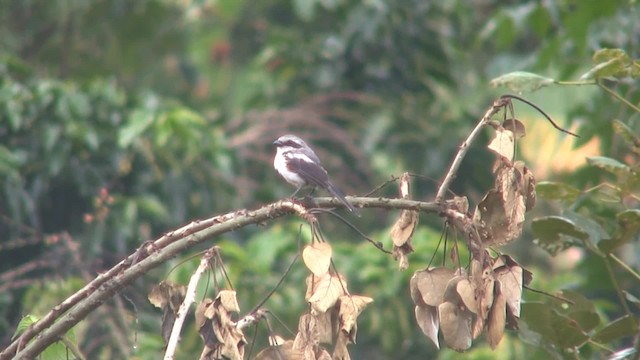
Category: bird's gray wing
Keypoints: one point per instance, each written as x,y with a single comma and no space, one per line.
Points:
309,170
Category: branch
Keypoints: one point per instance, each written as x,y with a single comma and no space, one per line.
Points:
464,147
186,303
75,308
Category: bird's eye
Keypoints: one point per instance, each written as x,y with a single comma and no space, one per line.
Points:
293,144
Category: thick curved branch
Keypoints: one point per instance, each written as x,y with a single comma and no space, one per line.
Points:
75,308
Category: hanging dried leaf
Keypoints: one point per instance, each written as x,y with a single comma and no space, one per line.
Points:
503,144
496,224
340,351
228,300
466,290
455,324
428,286
528,186
403,229
427,318
325,292
497,317
515,126
350,307
204,324
284,351
326,325
168,296
167,293
401,254
510,276
220,335
307,335
317,257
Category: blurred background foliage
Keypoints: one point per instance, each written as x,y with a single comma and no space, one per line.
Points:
121,120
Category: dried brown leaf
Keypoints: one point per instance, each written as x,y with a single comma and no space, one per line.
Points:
401,254
510,276
497,317
455,324
324,324
167,293
228,300
427,318
340,351
428,286
326,293
515,126
281,352
204,324
350,307
466,291
307,335
405,185
317,257
503,144
403,229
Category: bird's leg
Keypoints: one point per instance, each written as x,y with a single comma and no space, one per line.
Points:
313,189
295,192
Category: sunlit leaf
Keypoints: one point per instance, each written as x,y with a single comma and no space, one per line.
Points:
522,81
317,257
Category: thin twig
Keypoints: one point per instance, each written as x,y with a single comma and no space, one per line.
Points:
541,112
615,95
189,298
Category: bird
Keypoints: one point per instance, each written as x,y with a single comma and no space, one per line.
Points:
299,165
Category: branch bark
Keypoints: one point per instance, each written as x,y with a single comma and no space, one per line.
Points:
75,308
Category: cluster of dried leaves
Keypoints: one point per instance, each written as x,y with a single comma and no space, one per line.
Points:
222,336
332,314
463,304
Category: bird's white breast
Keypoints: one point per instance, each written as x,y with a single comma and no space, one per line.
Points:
280,164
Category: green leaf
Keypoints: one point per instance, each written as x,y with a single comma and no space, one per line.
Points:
629,226
610,165
139,120
592,228
611,63
55,351
580,309
557,191
555,328
521,81
554,233
617,329
627,134
24,323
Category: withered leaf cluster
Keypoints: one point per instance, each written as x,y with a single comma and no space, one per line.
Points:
498,218
332,313
461,305
222,338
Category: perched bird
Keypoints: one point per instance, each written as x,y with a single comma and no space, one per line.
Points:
299,165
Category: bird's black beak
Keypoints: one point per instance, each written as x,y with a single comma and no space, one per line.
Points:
277,143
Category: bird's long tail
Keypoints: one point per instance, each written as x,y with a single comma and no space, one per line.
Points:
340,196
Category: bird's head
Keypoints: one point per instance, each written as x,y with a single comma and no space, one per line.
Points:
290,141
